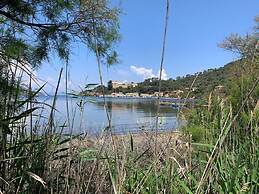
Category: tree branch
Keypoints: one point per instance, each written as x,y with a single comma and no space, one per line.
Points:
10,16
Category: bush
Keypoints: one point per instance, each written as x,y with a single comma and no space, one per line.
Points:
197,132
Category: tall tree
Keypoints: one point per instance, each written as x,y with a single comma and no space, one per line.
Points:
245,46
247,73
31,30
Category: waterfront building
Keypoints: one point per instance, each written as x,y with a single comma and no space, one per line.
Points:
133,94
117,84
157,94
145,95
119,94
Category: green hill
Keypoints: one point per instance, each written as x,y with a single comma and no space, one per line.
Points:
205,82
208,80
198,85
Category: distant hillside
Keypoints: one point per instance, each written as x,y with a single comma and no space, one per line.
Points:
205,83
208,80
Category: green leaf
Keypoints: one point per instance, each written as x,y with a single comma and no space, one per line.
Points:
30,98
185,187
203,145
88,155
22,115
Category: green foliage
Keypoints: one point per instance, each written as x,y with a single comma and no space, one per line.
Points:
30,30
238,89
205,83
87,154
197,132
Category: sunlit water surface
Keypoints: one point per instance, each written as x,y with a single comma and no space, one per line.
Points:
88,115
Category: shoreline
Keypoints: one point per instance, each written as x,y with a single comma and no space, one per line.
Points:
162,99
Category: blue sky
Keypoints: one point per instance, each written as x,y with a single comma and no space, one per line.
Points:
195,29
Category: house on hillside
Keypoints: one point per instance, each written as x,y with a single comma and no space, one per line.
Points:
157,94
119,94
220,90
117,84
145,95
133,94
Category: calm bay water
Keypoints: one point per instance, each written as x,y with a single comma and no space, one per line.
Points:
128,114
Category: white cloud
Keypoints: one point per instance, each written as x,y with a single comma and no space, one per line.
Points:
148,72
164,74
145,72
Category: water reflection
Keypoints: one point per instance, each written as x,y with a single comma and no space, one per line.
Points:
147,106
127,114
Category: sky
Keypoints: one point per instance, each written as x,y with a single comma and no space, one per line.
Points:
195,29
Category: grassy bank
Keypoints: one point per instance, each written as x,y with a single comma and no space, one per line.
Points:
216,152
